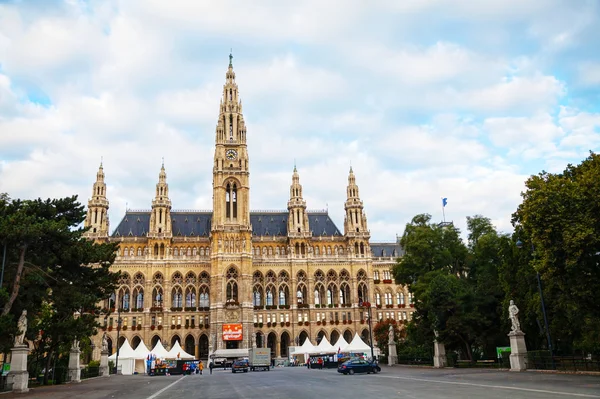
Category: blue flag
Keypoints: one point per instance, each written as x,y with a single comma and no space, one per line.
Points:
444,202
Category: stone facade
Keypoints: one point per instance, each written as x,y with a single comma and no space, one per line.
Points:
282,275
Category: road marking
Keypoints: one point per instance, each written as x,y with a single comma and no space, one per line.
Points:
165,388
582,395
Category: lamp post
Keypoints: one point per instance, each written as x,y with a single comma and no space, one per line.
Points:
368,306
118,333
519,244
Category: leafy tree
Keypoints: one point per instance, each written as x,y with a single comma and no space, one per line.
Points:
560,215
53,272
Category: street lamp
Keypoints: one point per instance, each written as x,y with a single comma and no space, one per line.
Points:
519,244
118,333
368,306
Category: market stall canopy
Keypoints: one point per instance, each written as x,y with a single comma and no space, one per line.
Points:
324,347
177,352
307,347
125,352
357,345
141,352
159,350
341,344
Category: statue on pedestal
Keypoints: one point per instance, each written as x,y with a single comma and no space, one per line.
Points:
75,345
391,339
513,315
22,326
104,342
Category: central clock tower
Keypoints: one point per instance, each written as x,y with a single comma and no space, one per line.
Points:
231,232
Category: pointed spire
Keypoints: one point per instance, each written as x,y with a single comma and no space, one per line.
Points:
298,218
355,221
97,215
231,58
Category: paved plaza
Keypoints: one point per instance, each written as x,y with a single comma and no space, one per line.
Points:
292,383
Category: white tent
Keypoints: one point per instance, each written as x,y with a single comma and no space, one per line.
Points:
307,347
178,350
159,350
126,358
324,347
357,345
141,353
341,344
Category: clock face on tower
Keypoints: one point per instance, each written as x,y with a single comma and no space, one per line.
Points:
231,154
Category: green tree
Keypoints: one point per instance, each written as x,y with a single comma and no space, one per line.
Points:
53,272
381,334
560,216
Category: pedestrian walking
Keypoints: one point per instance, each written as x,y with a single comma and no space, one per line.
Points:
201,367
210,366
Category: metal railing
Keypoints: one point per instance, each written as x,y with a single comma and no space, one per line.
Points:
541,360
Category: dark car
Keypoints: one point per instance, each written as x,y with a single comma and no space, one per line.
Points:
358,366
240,365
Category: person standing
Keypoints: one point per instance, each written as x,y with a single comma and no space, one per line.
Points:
210,366
201,367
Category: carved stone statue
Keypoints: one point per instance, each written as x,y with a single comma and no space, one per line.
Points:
104,342
22,326
391,339
75,345
513,315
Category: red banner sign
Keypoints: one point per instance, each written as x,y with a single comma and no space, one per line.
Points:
232,332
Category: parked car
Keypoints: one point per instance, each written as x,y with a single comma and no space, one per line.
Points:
240,365
358,366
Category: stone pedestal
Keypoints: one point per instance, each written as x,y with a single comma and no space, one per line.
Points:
74,369
104,364
392,354
518,351
18,376
439,355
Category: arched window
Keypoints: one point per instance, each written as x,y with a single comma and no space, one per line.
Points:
190,297
269,295
400,298
232,287
204,297
363,293
138,295
176,297
124,298
157,296
283,295
378,299
257,295
345,294
388,298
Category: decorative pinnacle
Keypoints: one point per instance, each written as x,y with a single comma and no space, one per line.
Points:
163,163
295,165
101,159
231,57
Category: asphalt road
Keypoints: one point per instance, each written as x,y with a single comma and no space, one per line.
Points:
292,383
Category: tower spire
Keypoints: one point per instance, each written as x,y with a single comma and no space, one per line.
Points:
160,217
97,214
355,221
298,218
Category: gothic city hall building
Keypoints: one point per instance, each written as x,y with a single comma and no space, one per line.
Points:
235,278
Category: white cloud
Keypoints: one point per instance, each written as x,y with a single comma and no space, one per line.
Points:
423,106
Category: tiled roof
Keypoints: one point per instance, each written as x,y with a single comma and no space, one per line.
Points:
188,224
385,249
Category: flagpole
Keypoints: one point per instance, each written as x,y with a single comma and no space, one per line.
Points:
443,212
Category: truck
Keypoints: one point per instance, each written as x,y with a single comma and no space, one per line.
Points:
259,359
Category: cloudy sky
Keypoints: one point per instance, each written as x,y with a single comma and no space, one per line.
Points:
424,98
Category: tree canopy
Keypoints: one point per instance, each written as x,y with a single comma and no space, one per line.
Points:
52,271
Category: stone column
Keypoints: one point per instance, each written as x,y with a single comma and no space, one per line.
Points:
518,351
18,375
439,356
392,354
104,372
74,369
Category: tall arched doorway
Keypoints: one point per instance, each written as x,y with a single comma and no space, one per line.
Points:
272,343
284,343
190,345
175,338
303,337
335,335
203,347
260,340
320,335
121,340
110,345
155,340
135,341
365,336
348,336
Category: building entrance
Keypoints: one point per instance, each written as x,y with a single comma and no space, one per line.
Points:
231,344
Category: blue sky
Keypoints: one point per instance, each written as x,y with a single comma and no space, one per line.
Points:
424,98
